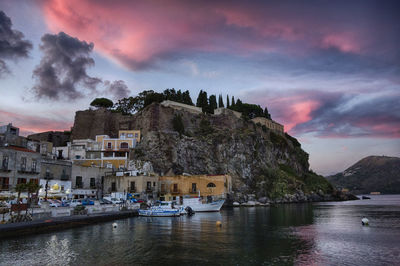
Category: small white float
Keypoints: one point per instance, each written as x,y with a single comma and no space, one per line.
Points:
114,225
364,221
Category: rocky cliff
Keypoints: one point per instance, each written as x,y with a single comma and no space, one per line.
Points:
262,163
373,173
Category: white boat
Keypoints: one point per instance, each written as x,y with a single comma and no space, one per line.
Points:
165,209
198,206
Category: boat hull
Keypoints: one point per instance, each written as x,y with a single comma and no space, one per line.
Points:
207,207
159,213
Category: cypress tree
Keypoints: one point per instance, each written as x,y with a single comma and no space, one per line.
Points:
198,101
220,101
227,101
233,101
212,104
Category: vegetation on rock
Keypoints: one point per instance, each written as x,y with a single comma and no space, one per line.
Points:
102,102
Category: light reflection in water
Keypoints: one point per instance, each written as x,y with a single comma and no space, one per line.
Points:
302,234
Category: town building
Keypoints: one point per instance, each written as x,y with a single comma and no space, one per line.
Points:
55,176
142,186
9,135
172,187
87,181
270,124
18,165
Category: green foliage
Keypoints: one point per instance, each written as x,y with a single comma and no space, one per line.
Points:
316,182
220,101
288,169
102,102
177,124
250,110
264,128
278,139
134,104
212,104
295,142
138,153
227,101
205,127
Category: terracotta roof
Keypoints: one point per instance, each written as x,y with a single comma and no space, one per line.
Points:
20,149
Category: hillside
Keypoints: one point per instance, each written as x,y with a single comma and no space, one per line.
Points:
373,173
262,163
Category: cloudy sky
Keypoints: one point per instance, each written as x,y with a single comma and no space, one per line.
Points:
328,70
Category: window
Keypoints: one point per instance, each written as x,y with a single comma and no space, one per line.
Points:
211,185
23,163
124,145
136,135
113,186
4,183
148,185
109,145
5,162
154,184
92,182
78,182
194,187
130,135
34,166
132,188
175,187
21,181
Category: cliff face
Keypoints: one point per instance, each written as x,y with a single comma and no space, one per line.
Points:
260,161
373,173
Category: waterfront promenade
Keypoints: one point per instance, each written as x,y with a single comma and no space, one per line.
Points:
58,223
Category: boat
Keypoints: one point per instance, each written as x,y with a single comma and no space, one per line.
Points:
197,205
164,209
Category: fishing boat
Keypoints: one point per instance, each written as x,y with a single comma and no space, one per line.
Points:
198,206
164,209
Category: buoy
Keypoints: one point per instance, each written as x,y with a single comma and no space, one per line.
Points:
364,221
114,225
218,223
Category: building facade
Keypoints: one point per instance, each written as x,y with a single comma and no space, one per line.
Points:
18,165
87,181
143,186
56,174
172,187
271,124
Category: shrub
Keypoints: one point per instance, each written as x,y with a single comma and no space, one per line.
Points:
177,124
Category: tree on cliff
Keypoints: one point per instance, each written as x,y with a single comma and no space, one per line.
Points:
178,125
212,103
227,101
102,102
220,101
266,113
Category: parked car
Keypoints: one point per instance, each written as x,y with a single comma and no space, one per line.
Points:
104,201
113,200
54,203
75,203
87,202
65,203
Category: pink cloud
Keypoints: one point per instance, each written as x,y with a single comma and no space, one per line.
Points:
137,34
29,124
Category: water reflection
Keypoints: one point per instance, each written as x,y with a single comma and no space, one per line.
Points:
302,234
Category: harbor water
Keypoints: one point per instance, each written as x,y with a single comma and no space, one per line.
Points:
301,234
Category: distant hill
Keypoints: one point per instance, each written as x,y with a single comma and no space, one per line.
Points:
373,173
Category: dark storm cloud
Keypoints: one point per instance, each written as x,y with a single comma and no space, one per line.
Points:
12,43
62,69
118,89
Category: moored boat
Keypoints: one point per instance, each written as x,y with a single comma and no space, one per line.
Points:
164,209
198,206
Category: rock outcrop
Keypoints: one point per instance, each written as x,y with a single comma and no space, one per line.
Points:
262,162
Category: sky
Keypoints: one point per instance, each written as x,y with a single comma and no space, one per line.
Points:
329,71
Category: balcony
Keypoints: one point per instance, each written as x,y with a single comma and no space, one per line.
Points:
64,177
193,191
176,191
48,176
31,172
132,190
149,190
5,169
79,185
